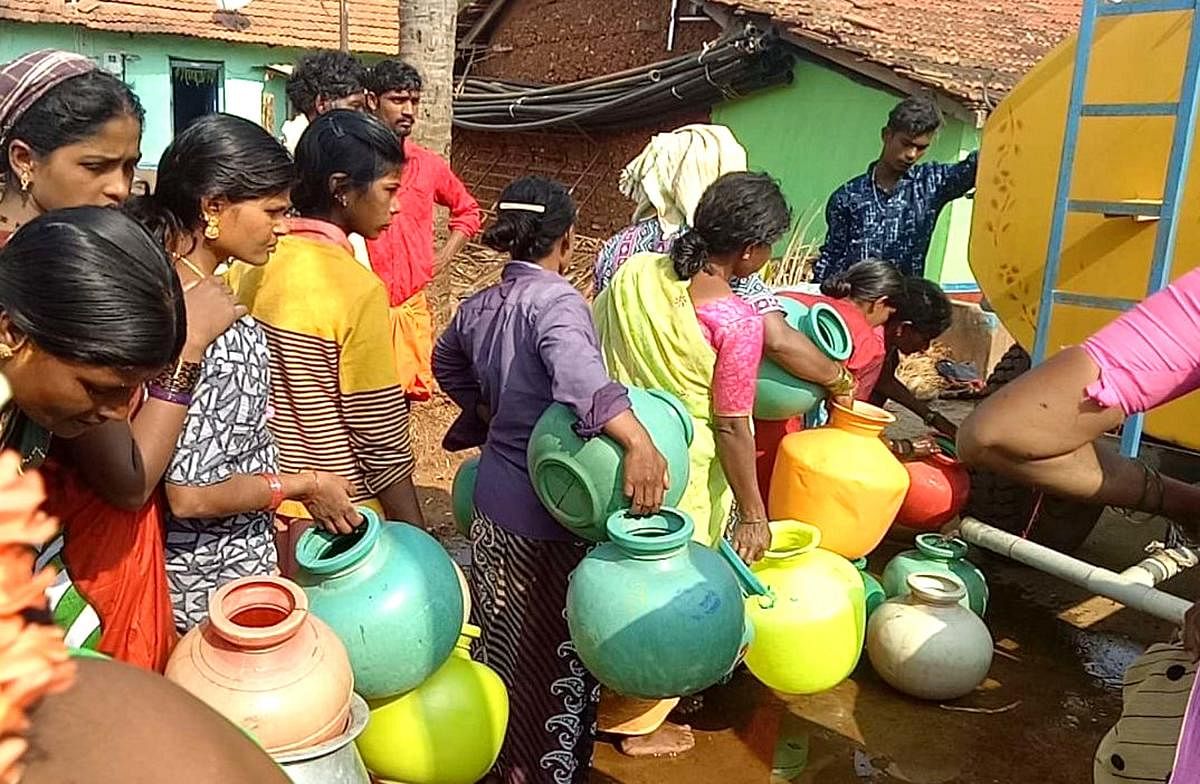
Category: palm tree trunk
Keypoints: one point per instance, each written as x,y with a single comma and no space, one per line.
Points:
427,29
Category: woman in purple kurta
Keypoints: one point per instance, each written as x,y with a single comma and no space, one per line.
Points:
511,351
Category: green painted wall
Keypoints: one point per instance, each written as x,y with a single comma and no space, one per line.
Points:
148,71
822,130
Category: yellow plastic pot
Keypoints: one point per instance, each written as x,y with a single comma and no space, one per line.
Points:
448,730
811,638
842,478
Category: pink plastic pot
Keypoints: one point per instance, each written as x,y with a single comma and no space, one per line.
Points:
268,665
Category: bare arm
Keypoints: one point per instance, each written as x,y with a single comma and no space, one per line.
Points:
454,245
892,388
1055,446
735,450
646,479
327,497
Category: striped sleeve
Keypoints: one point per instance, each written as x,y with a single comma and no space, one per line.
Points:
373,400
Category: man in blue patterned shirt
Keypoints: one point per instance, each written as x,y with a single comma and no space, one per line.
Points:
890,211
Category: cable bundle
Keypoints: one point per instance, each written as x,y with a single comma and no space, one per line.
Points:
731,66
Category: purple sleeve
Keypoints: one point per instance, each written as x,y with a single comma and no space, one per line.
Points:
452,369
1150,355
568,347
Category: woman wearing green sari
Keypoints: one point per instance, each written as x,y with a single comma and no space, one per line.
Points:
671,322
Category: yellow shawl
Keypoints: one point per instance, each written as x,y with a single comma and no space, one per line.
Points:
650,338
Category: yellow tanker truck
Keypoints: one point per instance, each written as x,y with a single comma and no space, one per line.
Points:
1092,176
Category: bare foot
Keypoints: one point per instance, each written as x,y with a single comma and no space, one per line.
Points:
669,740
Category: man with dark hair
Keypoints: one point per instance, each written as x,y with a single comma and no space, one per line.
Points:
327,80
320,82
890,211
403,256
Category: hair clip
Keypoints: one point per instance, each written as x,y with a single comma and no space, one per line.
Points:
516,205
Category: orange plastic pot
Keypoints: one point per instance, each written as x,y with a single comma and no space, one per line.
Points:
841,478
268,665
938,489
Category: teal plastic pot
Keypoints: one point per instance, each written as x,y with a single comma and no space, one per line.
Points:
871,585
462,495
582,482
781,395
655,615
936,554
390,592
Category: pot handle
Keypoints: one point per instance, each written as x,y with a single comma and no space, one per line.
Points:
751,585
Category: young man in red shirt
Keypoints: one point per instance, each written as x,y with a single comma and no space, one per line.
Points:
403,256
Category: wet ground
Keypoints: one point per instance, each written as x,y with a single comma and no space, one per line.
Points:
1052,694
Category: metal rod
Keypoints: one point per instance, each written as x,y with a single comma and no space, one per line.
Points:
1098,580
1062,193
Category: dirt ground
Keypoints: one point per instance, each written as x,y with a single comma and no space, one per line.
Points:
1053,692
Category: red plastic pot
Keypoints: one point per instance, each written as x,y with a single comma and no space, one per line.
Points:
937,492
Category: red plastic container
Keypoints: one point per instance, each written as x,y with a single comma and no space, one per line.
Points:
937,491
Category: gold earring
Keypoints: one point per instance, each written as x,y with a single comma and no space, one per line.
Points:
212,229
6,352
25,181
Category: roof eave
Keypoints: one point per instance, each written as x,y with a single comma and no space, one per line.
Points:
965,108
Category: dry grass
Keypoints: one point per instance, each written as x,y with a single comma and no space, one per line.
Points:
796,265
919,371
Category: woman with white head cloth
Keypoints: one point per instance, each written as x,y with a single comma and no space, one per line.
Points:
666,181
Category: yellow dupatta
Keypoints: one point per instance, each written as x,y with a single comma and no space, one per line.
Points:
650,338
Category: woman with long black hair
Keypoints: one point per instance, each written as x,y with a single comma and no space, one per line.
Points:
223,192
336,392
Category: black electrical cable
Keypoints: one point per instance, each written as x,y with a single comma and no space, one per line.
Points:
732,66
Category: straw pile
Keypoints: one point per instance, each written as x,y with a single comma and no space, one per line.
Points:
919,371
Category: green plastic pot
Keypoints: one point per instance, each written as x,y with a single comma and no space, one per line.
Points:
462,495
875,595
936,554
391,593
653,614
582,482
780,395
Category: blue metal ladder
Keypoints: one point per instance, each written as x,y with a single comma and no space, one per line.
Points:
1165,212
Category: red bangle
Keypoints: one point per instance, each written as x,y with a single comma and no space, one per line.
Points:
276,487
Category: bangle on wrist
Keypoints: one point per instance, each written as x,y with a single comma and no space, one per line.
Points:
167,395
275,485
181,378
843,385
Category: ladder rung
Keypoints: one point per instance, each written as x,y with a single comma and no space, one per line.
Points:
1088,301
1132,208
1129,7
1129,109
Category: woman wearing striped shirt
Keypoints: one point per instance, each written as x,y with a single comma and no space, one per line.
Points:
339,404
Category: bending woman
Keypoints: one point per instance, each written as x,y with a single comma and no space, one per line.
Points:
89,310
70,135
673,323
223,192
511,351
337,396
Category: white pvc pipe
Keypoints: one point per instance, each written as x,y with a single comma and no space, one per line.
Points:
1161,565
1096,579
